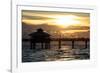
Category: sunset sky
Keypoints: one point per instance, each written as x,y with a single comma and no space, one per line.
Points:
68,24
62,19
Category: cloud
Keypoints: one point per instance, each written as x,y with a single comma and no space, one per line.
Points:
77,28
35,17
38,17
57,12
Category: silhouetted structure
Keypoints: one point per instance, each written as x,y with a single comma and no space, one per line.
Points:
40,37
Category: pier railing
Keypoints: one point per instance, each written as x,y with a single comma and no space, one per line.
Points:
73,40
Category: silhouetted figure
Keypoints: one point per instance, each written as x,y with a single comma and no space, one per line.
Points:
40,37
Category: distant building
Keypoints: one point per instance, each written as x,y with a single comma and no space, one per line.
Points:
40,37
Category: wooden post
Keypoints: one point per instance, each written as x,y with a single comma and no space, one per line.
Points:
48,45
30,45
72,44
59,43
42,45
33,45
85,43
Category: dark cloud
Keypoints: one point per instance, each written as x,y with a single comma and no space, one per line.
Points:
82,14
77,28
35,17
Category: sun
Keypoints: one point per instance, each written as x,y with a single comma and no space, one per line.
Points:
66,20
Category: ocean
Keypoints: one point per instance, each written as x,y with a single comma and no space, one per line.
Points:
54,53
